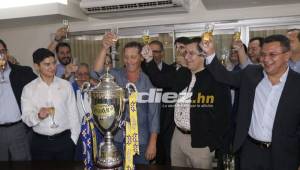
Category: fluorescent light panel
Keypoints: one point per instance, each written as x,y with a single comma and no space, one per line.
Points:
23,3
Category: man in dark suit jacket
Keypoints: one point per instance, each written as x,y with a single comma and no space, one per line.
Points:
14,144
193,146
268,112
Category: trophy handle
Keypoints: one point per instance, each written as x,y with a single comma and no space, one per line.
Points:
130,87
84,89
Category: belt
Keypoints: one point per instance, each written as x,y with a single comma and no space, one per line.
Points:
10,124
261,144
184,131
54,137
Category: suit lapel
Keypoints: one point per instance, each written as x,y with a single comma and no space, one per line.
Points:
287,89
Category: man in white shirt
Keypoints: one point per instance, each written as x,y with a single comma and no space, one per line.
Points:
49,107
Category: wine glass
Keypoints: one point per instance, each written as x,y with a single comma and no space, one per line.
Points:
224,56
237,34
208,34
146,37
2,67
67,28
115,32
51,110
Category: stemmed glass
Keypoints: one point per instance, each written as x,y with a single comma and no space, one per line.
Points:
2,67
51,110
224,56
115,32
146,37
237,34
208,34
67,28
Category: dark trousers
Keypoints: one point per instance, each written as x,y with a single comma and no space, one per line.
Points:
56,147
254,157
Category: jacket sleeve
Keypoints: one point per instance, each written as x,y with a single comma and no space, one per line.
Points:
222,75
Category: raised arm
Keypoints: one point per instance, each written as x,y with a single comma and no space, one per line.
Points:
218,71
59,35
107,42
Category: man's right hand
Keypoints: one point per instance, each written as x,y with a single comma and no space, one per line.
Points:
60,33
147,53
207,47
43,113
107,40
70,68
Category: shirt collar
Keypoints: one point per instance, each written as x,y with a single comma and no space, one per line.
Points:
283,76
41,81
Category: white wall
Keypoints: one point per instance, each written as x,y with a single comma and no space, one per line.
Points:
22,41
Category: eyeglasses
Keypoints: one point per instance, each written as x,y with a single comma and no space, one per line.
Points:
272,54
156,51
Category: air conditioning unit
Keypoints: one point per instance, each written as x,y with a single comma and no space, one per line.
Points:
125,8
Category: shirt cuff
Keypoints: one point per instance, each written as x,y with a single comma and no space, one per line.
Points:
148,59
210,58
242,66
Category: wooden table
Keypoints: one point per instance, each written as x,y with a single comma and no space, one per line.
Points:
65,165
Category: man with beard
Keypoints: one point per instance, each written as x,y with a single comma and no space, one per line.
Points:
65,68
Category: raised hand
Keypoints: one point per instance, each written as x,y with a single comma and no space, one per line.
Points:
147,52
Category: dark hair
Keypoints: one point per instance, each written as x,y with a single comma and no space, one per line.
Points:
196,40
182,40
62,44
40,54
134,44
283,40
259,39
297,30
3,44
160,44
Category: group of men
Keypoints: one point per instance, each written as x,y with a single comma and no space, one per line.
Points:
264,118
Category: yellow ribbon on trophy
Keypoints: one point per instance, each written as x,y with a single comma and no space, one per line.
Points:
131,132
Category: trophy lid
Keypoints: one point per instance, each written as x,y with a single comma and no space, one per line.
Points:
107,83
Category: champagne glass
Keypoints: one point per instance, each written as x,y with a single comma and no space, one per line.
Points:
67,28
115,31
224,56
51,110
237,34
2,67
208,34
146,37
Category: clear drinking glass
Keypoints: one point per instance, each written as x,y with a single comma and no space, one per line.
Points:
67,27
237,34
146,37
2,67
208,34
51,110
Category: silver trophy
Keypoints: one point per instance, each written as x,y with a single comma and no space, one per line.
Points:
107,104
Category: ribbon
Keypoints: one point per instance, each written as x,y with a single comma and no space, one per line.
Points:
131,133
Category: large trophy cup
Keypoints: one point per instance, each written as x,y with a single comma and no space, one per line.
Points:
107,104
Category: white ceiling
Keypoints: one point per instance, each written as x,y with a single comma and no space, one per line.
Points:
201,11
231,4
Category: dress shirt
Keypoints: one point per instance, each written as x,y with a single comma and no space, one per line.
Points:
38,94
160,65
60,71
9,109
264,108
182,107
295,65
148,112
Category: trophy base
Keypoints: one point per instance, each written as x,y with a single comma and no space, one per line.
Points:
117,167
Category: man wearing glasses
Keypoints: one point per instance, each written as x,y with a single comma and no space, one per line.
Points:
268,113
14,143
